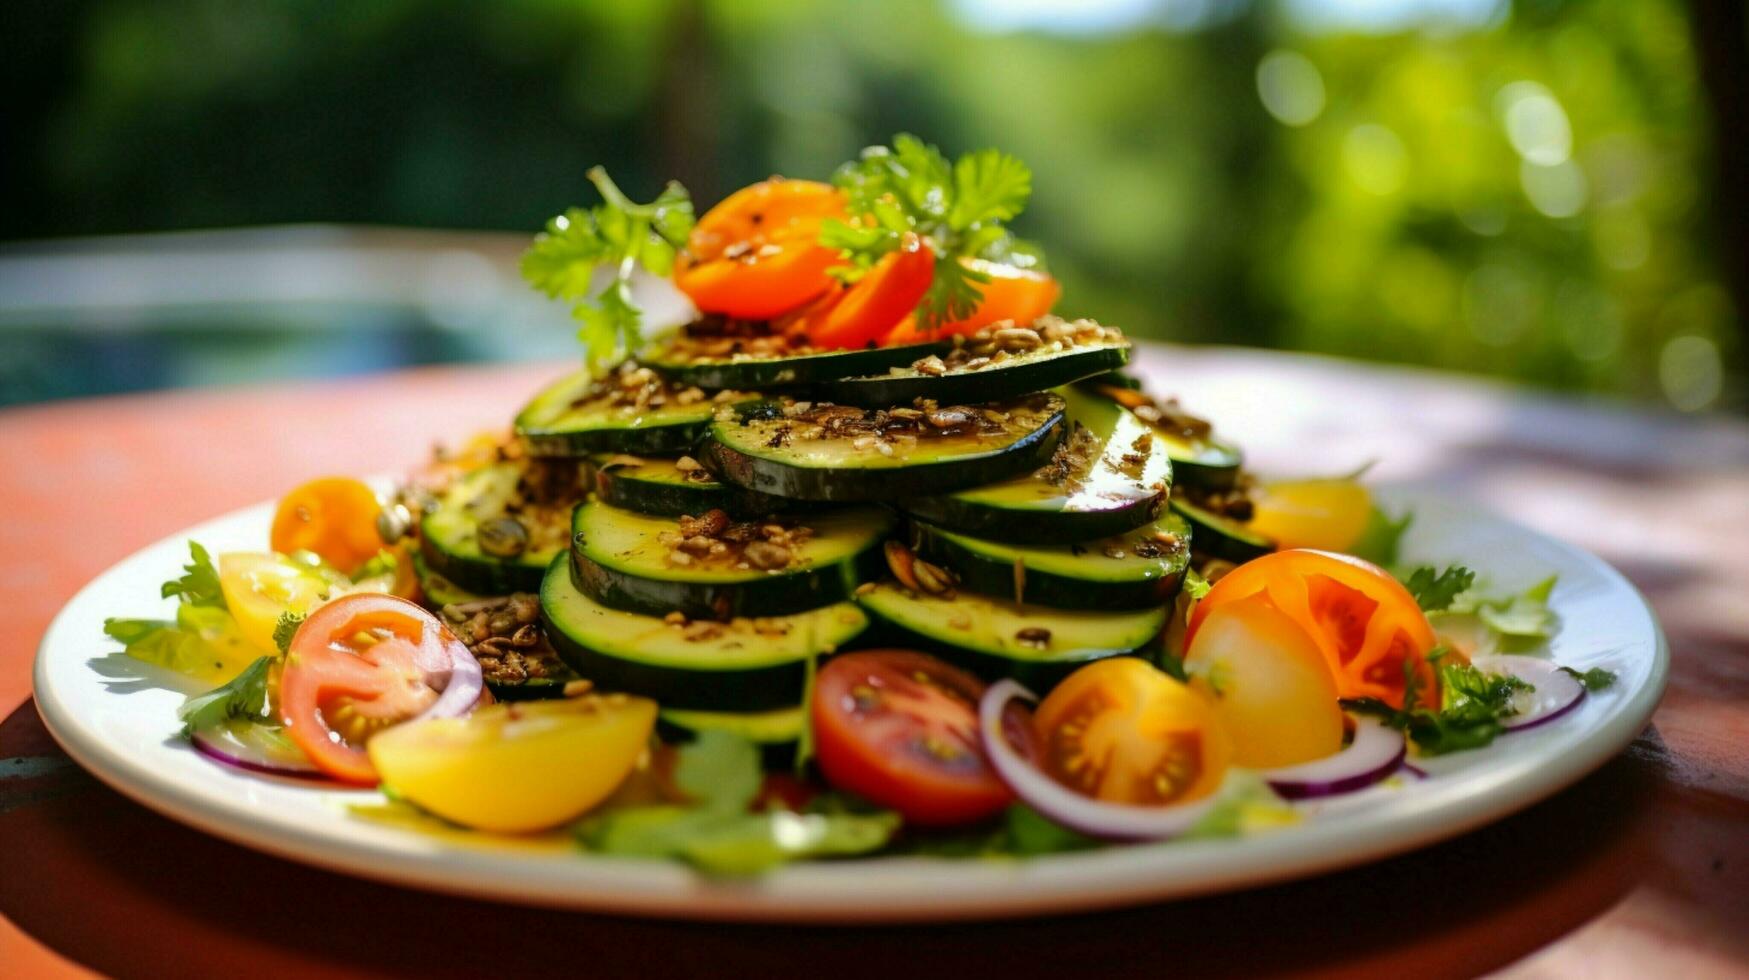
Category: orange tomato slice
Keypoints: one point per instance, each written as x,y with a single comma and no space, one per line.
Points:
1021,295
867,311
756,255
1368,627
334,517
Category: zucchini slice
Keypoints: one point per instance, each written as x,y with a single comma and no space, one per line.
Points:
741,665
1011,376
1221,537
1109,474
777,733
680,362
1135,570
578,415
449,535
634,562
439,591
833,452
994,638
659,486
1199,457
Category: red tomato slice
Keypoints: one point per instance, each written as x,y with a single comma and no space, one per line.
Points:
868,311
1021,295
1369,628
756,255
900,728
358,665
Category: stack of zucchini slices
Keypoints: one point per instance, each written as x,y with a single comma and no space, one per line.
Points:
1000,499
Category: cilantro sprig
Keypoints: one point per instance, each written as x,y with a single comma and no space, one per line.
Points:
961,208
1435,591
1473,706
619,233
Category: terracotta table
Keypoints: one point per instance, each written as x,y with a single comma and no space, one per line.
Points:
1640,870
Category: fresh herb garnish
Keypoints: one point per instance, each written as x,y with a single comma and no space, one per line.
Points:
1595,679
1382,540
199,582
1195,585
285,629
1435,591
202,640
246,696
617,232
718,833
961,208
1473,703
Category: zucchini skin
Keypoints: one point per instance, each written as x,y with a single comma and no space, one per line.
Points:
755,689
653,440
484,576
1215,536
778,595
1030,526
753,374
676,499
533,689
1039,675
896,483
1209,476
987,385
983,573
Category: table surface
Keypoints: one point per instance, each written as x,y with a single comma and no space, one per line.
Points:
1641,868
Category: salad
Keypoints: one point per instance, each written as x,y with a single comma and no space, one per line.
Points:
876,555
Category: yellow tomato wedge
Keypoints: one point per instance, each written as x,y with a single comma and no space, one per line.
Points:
1327,514
259,588
516,767
1268,683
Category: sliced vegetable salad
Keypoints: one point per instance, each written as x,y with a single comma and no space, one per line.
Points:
876,555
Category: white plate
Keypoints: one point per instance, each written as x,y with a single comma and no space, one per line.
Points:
123,730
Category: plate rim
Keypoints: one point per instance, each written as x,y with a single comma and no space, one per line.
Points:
926,889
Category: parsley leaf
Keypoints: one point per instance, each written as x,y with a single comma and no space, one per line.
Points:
1473,703
246,696
961,208
1435,591
199,583
1595,679
285,629
619,233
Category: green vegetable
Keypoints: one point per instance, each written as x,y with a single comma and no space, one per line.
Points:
1195,585
285,629
1382,540
199,584
1245,803
1595,679
1473,704
246,696
960,208
563,259
718,834
1524,616
201,640
1435,591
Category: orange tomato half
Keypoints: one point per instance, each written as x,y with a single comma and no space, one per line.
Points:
1368,628
335,517
866,312
756,255
1021,295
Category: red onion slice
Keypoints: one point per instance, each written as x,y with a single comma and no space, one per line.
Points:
255,748
461,690
1109,821
1557,692
1376,751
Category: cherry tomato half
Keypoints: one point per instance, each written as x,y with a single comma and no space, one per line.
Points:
359,664
1124,731
868,310
1021,295
335,517
900,728
756,255
1368,627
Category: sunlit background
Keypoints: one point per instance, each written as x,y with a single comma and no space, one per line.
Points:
1530,190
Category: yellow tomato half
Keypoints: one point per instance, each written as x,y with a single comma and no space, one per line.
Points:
1124,731
1328,514
259,588
516,767
1268,683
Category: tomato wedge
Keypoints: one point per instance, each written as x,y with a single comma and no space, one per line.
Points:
867,311
900,728
1124,731
1021,295
335,517
1368,627
756,255
358,665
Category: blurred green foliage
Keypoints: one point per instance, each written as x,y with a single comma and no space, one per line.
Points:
1522,195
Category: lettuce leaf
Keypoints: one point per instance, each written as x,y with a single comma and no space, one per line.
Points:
245,696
